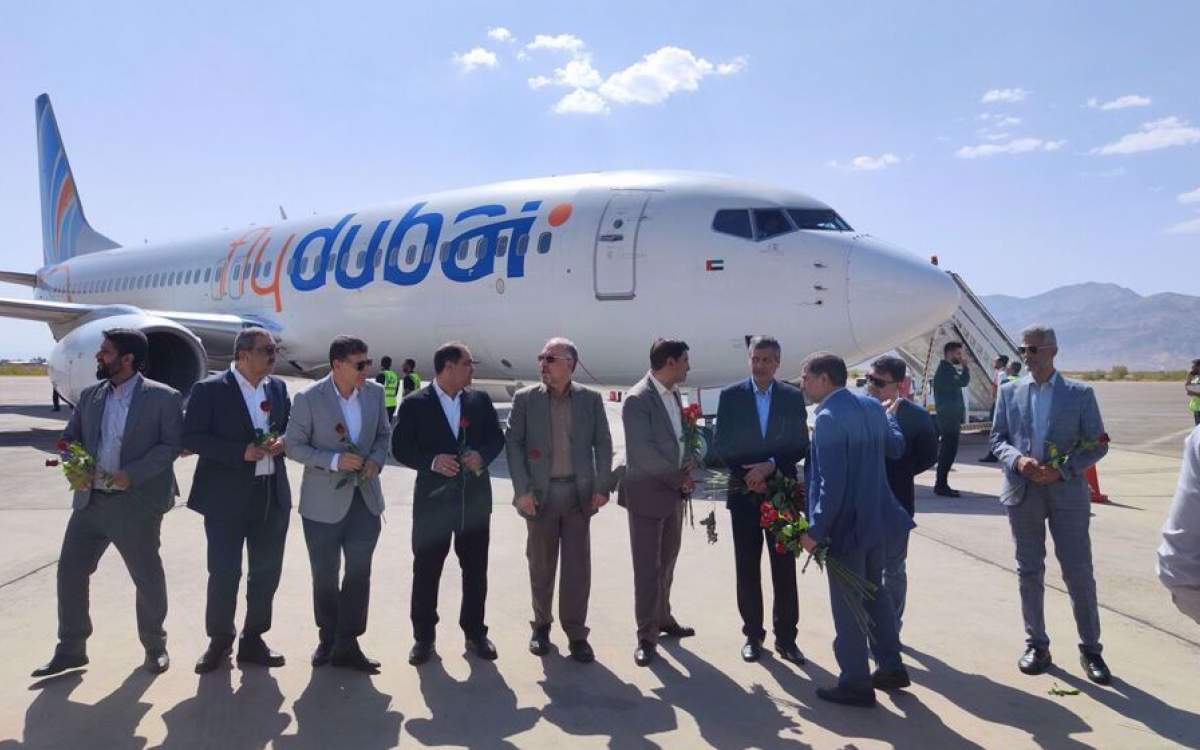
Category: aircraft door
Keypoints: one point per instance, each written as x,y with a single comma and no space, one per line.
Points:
615,260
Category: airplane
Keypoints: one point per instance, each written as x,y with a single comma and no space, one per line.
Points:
610,260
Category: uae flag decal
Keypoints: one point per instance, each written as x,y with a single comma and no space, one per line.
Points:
714,264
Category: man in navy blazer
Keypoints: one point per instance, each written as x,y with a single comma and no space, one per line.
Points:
1037,417
234,423
762,428
853,511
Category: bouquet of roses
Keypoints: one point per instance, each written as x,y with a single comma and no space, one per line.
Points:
694,449
1056,457
79,466
348,446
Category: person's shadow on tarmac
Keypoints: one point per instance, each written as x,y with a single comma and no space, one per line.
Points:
53,721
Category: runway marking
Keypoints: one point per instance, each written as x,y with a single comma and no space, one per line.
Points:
1049,585
26,575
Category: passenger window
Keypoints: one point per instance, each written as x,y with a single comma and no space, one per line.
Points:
735,221
267,270
411,258
481,248
208,274
502,246
461,253
237,271
360,260
770,222
445,252
427,256
544,243
523,244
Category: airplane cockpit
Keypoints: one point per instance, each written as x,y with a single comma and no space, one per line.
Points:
765,223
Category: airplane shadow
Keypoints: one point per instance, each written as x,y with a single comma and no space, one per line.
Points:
218,716
35,437
54,721
39,411
478,712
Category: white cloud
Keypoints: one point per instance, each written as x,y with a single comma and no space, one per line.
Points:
1016,146
476,58
540,82
999,121
583,102
576,74
659,74
1004,96
1000,136
1192,197
522,54
1184,227
1121,102
1164,133
559,43
869,163
736,65
501,34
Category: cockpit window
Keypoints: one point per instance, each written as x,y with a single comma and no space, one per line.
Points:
770,222
735,221
825,219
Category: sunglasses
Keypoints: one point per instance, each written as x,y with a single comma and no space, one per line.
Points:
268,350
1032,349
364,364
551,358
880,382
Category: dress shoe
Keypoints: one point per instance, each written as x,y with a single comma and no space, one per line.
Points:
60,663
789,652
420,652
989,459
645,653
157,662
675,630
483,648
581,651
1094,666
254,651
847,697
539,642
752,649
322,654
213,657
1034,660
897,680
946,492
356,660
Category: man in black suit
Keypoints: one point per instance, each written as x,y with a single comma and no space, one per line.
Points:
920,454
449,435
235,421
762,428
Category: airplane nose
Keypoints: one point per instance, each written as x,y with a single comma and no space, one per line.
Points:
894,296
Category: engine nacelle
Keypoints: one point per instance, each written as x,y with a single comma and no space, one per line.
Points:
177,356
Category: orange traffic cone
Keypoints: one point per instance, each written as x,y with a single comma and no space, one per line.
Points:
1093,480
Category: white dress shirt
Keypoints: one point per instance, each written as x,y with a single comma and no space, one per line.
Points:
670,399
452,408
1041,398
254,396
112,425
352,414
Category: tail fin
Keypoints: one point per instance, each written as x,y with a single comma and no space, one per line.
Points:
65,231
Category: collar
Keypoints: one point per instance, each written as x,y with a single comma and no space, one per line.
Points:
1051,381
564,395
754,387
834,392
241,379
123,390
443,394
345,399
658,386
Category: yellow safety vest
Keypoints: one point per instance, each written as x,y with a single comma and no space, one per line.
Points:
391,384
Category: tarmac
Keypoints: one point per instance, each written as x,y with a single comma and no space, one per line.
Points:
962,631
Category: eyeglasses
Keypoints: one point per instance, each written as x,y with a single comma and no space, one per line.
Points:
880,382
1033,349
268,350
363,364
552,358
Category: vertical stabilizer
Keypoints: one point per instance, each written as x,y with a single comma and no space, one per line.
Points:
65,231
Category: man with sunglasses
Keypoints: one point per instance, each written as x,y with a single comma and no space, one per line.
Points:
339,430
949,380
449,434
560,456
1034,415
920,453
233,422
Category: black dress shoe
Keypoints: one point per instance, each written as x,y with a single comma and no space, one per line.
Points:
897,680
675,630
420,652
60,663
322,653
483,648
847,697
539,642
645,653
157,662
789,652
213,657
1034,660
581,651
989,459
255,651
356,660
752,649
946,492
1096,669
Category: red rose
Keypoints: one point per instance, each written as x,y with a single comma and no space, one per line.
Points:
265,406
340,429
764,508
63,445
534,454
780,548
464,423
1103,438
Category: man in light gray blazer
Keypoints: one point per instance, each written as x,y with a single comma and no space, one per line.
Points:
1047,431
560,457
339,430
656,476
132,426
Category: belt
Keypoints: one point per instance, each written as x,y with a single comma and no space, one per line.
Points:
564,480
107,492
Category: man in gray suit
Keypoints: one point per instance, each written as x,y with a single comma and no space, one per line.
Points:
1039,421
340,431
560,457
656,478
131,425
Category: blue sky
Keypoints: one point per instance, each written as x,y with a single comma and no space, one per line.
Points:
1028,144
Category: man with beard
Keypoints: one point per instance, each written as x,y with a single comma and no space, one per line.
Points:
131,426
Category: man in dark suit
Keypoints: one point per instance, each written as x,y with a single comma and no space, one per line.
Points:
339,430
560,457
449,435
656,475
131,426
948,381
920,453
762,428
852,510
234,423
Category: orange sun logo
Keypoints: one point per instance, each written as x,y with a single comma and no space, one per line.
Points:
559,214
